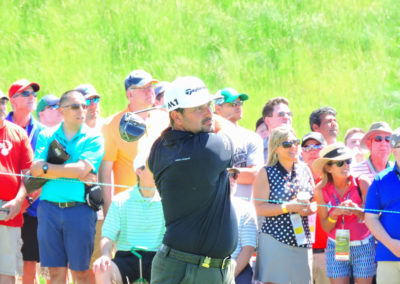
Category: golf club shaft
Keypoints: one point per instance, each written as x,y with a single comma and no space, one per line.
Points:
148,109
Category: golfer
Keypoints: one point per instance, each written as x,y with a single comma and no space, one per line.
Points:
189,164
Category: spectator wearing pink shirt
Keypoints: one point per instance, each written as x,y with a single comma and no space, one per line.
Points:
345,193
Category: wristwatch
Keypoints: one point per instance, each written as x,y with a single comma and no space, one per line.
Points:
45,167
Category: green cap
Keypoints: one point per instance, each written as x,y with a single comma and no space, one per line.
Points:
49,100
230,95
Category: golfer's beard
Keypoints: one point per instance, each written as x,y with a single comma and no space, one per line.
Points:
207,128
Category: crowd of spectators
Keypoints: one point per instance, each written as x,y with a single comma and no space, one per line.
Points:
197,197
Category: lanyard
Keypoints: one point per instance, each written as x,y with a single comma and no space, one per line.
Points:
337,204
31,133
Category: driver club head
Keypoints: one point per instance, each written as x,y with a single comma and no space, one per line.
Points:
131,127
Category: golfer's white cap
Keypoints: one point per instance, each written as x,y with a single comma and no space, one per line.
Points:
187,92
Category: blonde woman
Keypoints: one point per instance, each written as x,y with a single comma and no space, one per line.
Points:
350,247
284,253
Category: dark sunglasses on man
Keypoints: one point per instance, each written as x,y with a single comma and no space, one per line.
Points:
379,138
76,106
52,107
94,100
26,94
235,104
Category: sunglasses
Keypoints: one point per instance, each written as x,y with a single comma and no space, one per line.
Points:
310,148
234,175
379,138
95,100
26,94
340,163
52,107
76,106
288,144
284,113
236,104
145,87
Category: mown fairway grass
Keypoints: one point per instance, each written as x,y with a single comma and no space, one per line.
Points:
339,53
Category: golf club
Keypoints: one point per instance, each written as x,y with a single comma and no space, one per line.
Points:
132,127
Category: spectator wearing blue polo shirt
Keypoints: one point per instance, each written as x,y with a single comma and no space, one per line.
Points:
135,220
66,224
23,95
384,196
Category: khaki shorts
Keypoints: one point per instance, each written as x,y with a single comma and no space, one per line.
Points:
388,272
319,269
11,262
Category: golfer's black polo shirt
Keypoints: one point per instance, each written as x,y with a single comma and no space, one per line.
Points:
190,174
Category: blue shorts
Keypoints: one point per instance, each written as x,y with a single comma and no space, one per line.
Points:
66,235
362,261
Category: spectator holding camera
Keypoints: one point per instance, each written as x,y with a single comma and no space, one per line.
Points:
350,247
282,192
66,223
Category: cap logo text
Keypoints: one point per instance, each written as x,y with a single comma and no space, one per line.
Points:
173,103
191,91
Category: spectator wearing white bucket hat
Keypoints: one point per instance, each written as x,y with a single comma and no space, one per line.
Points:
377,141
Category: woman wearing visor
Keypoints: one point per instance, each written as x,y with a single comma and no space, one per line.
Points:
340,197
282,193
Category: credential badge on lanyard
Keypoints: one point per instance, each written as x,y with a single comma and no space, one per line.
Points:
342,247
298,229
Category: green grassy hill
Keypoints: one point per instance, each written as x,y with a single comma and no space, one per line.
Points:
339,53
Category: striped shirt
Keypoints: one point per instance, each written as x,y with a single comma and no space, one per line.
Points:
367,169
246,217
134,221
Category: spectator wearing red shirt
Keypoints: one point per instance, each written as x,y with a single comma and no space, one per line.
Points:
311,145
15,158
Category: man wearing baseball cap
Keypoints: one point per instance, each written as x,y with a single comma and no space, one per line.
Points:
119,155
159,91
311,145
92,97
189,163
248,143
22,94
383,200
95,121
15,158
376,140
47,111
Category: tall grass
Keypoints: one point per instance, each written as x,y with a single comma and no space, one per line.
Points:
339,53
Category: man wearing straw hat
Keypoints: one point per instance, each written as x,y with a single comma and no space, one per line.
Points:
377,141
384,196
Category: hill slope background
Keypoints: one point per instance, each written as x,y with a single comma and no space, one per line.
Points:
345,54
